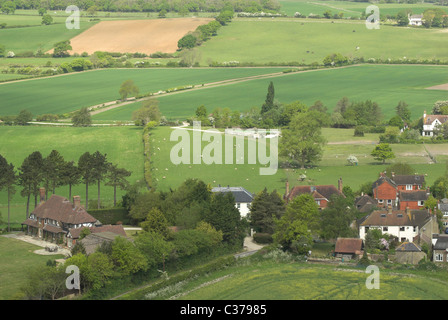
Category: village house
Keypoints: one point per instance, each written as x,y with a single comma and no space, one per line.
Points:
408,225
60,221
243,198
348,248
415,19
409,253
431,122
321,193
365,203
414,200
440,249
400,191
443,207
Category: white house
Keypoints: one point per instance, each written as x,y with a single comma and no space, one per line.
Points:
430,123
243,198
403,224
415,19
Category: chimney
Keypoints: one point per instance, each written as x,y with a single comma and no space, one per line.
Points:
408,211
76,202
42,194
393,175
428,191
287,188
340,185
389,209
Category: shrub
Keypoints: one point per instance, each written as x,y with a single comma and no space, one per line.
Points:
263,238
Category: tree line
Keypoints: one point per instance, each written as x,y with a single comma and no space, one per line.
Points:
53,171
180,6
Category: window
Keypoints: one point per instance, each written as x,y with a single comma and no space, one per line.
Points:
389,201
238,205
385,229
438,257
421,203
380,200
409,187
401,228
318,202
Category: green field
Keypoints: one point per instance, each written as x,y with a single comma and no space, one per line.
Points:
17,260
333,166
384,84
300,281
70,92
123,146
349,8
310,40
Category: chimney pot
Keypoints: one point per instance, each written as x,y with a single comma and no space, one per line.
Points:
76,202
42,194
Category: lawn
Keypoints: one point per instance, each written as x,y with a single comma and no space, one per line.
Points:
289,40
70,92
17,260
123,146
384,84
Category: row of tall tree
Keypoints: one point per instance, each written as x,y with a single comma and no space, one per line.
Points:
53,171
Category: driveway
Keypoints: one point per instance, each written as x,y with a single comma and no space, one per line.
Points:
38,242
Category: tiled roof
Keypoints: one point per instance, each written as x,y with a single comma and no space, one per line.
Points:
240,194
116,229
441,243
326,191
409,179
419,195
60,209
396,218
430,118
382,180
348,245
408,247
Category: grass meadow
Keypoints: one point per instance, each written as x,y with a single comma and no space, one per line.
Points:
17,260
311,40
166,175
122,145
349,8
384,84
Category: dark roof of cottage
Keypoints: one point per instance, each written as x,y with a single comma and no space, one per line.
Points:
408,247
239,193
365,203
409,179
116,229
94,240
443,207
60,209
348,245
441,243
318,192
397,218
418,195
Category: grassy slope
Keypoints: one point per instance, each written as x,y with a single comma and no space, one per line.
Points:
310,40
333,166
17,260
70,92
384,84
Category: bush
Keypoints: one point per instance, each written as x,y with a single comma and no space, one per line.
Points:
359,131
263,238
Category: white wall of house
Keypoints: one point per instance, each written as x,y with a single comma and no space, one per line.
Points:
401,232
243,208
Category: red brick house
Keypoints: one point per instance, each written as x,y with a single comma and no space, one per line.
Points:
414,200
385,191
320,193
409,182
